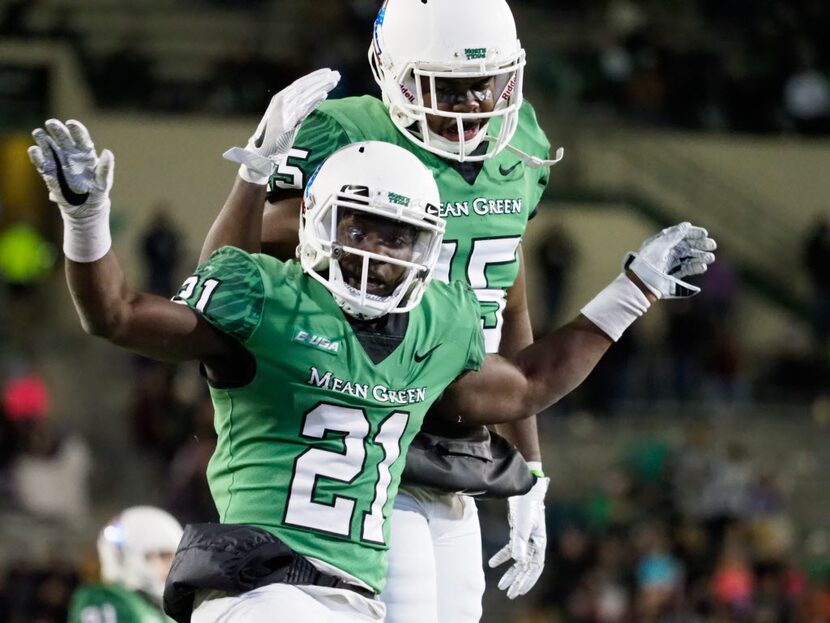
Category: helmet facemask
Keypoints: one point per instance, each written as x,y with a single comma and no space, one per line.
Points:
328,257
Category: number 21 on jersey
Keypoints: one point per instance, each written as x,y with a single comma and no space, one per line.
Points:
353,426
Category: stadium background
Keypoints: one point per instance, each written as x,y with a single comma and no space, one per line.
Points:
689,474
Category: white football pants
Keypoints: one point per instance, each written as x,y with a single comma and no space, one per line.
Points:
435,568
284,603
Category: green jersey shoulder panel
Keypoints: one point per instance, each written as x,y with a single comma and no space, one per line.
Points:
228,291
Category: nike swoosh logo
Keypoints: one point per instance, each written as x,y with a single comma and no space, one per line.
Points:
258,140
420,358
72,198
510,170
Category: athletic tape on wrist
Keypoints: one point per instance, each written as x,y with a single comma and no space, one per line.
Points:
252,177
616,306
535,468
87,238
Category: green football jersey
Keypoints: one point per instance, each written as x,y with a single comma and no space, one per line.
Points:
313,447
111,603
485,219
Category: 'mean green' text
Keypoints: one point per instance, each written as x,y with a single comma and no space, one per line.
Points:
381,393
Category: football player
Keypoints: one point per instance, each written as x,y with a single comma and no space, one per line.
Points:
322,370
135,550
451,75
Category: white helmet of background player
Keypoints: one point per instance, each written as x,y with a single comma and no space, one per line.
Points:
417,41
136,548
383,184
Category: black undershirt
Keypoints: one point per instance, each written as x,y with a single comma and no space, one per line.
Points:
469,170
380,336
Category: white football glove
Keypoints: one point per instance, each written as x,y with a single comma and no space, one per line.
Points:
79,181
666,258
528,540
274,135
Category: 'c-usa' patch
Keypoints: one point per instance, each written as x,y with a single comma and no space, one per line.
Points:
320,342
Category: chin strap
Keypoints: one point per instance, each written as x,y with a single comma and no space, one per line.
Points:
532,161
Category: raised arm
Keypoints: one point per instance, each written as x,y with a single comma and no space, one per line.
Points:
143,323
541,374
240,222
79,182
507,390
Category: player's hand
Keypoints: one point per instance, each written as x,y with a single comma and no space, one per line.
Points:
275,133
665,259
79,181
528,540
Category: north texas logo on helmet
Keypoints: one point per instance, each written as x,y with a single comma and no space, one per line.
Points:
398,199
474,53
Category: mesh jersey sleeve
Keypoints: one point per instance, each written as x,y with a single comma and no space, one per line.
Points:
319,136
227,291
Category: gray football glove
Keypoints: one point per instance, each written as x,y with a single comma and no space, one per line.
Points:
665,259
79,181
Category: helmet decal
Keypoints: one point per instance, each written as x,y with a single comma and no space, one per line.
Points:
474,53
378,24
311,179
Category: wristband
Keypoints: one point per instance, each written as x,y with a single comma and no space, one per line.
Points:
87,238
252,177
535,468
616,306
255,168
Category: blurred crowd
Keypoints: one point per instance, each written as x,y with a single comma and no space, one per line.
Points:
759,67
695,532
46,478
699,354
741,66
57,476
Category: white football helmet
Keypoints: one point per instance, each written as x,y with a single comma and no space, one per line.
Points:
429,39
383,180
126,546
